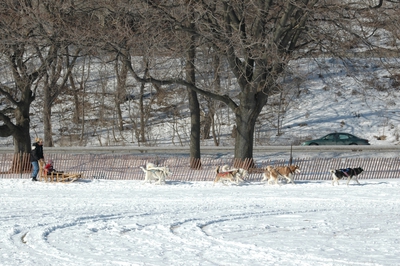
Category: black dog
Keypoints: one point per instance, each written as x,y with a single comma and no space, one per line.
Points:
348,172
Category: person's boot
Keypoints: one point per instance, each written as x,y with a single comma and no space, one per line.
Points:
34,179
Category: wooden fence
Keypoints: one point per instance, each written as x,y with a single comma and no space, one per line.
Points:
126,166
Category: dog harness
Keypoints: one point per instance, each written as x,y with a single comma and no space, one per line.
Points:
290,171
348,171
345,171
225,173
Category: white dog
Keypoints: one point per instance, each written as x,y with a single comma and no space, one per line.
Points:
156,173
242,174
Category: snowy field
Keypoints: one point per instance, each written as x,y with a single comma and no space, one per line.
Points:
195,223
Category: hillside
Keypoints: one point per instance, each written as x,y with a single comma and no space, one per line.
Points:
319,97
363,102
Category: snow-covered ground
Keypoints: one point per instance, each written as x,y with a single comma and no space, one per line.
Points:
103,222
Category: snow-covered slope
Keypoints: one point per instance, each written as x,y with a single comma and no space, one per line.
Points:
319,97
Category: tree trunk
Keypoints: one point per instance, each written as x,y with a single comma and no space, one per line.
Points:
194,106
22,138
121,90
143,113
208,121
195,125
21,134
142,129
74,91
244,136
209,116
252,102
48,138
23,82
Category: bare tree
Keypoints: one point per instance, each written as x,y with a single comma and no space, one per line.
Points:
257,40
151,39
194,106
121,72
20,42
35,36
54,82
254,41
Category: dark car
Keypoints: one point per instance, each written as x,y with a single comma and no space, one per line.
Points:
337,139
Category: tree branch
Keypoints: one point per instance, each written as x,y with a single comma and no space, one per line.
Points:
223,98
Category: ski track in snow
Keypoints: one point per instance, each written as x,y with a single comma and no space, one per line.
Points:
127,223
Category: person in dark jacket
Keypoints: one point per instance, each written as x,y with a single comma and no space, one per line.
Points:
36,156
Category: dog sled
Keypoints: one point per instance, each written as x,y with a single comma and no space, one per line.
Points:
56,176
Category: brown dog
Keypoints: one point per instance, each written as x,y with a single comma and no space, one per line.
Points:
226,176
274,173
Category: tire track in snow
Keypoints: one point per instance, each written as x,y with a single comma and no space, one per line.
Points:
37,238
190,235
196,233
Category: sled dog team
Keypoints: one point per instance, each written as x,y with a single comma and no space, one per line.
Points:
236,175
272,174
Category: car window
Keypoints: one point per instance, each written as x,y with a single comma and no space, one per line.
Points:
343,137
329,137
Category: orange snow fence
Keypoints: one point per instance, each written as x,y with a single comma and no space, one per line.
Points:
126,166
